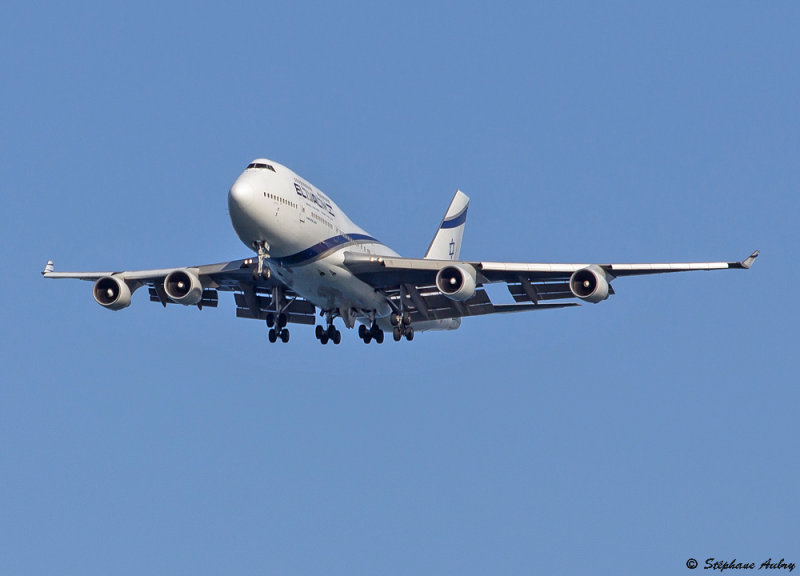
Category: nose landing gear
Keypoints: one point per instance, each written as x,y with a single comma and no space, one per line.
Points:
261,273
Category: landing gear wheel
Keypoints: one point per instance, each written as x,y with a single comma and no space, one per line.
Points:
324,338
409,333
376,333
273,336
362,332
319,332
270,319
406,319
282,320
334,335
284,335
397,334
394,318
367,338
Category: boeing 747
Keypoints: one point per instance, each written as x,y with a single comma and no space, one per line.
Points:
309,256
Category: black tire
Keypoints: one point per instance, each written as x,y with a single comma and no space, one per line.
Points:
409,333
282,320
319,332
324,338
397,334
284,335
362,331
337,337
270,320
407,319
379,337
394,318
367,338
273,335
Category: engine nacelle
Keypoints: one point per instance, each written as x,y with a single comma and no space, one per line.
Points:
590,284
112,292
183,287
457,282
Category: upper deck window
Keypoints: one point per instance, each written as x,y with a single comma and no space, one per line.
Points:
261,166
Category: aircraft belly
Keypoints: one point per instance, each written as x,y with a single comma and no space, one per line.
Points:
329,286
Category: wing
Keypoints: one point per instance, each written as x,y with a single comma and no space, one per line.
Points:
254,297
412,282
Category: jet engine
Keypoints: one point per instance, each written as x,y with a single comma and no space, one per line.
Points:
183,287
457,282
590,284
112,292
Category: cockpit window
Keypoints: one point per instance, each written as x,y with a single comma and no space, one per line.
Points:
261,166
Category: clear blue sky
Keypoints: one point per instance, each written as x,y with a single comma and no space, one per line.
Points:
623,437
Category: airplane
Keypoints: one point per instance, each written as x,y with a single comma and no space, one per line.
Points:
309,257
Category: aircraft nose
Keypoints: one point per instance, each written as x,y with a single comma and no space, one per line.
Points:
240,195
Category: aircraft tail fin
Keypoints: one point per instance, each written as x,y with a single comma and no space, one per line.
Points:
446,244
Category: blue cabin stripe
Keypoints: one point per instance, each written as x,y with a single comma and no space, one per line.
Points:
321,248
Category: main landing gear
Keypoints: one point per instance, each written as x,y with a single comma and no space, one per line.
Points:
402,326
277,327
369,334
329,334
401,321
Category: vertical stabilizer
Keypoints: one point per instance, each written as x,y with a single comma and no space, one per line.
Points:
446,244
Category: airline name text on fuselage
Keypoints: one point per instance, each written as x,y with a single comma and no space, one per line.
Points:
308,193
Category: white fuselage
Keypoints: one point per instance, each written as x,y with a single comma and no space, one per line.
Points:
306,236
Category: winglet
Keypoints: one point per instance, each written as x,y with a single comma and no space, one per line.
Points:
750,259
48,268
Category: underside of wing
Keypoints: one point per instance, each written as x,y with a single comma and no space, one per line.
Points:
255,296
422,278
422,288
428,303
426,284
